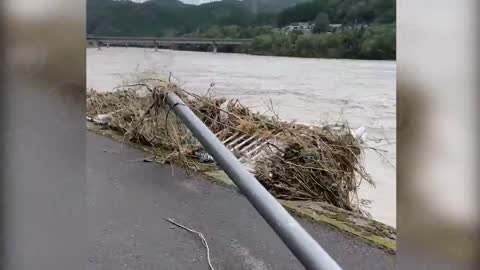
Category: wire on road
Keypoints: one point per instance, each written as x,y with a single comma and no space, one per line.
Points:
204,241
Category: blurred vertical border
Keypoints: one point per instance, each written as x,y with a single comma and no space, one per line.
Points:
2,148
437,82
43,134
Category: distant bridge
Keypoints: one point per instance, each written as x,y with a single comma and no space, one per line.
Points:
164,41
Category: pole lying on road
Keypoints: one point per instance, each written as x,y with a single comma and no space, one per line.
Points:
302,245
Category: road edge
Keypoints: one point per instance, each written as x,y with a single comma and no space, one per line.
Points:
368,230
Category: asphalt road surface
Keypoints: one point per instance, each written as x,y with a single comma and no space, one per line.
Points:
128,199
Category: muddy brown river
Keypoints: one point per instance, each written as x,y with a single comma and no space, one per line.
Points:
313,91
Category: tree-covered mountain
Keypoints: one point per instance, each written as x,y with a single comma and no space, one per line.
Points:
372,36
173,17
342,11
271,6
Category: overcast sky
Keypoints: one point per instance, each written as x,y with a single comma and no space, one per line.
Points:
195,2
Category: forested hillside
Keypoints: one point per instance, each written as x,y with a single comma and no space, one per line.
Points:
368,25
342,11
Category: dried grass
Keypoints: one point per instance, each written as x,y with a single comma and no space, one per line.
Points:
300,162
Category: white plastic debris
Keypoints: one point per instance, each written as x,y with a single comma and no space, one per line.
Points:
223,110
205,157
103,118
360,134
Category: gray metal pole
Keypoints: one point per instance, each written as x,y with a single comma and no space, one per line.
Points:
302,245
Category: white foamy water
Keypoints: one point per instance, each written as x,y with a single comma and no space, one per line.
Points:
307,90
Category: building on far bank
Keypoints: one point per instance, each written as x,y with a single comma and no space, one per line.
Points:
335,27
305,27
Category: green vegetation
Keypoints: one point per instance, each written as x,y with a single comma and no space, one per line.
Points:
372,43
167,17
367,32
375,42
346,12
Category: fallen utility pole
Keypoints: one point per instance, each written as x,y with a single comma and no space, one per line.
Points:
302,245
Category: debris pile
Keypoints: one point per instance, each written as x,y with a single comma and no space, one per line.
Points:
295,162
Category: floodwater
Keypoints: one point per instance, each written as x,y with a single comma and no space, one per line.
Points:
363,93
